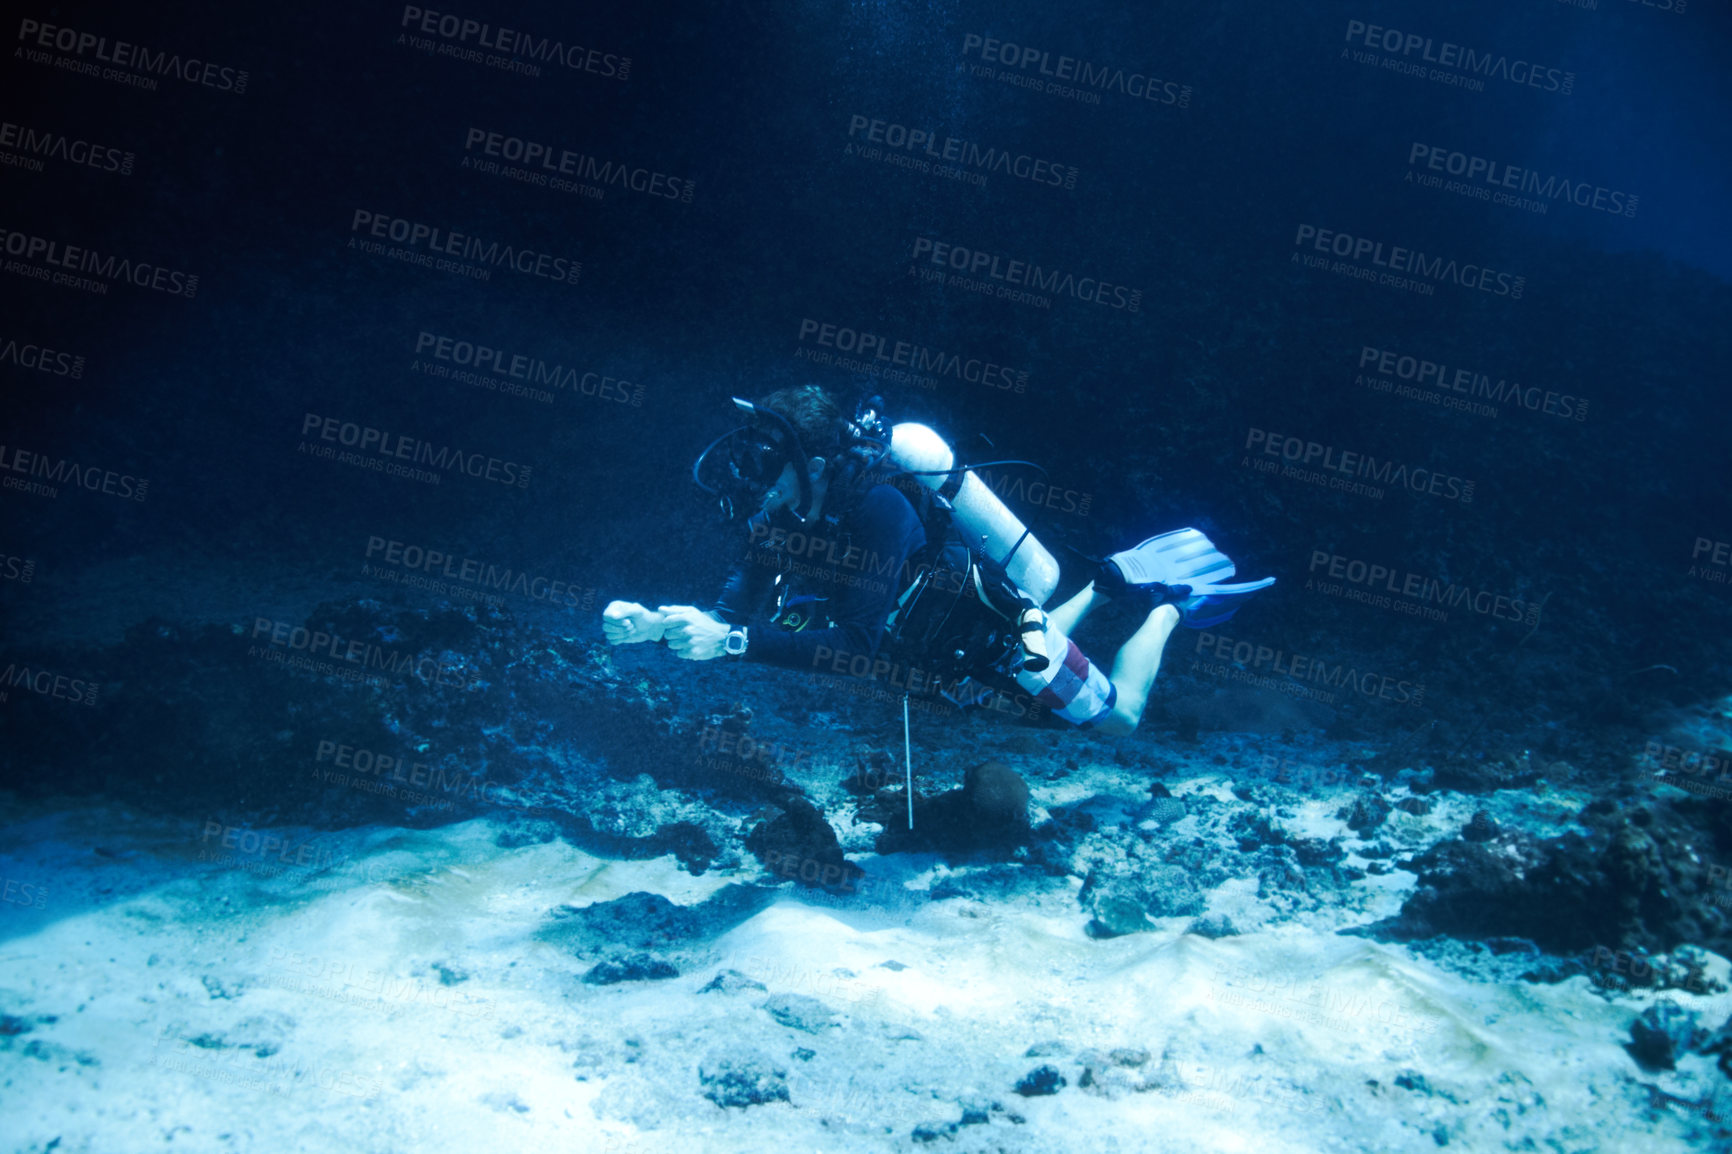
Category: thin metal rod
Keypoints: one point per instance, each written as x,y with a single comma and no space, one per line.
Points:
908,760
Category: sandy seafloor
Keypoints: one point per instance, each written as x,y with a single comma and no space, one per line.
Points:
403,996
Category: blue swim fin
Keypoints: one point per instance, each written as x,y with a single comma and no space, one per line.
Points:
1182,568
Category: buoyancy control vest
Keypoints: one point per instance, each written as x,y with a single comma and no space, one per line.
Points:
975,600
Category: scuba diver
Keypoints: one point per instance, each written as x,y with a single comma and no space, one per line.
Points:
867,538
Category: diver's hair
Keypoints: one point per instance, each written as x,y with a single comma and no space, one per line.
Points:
815,414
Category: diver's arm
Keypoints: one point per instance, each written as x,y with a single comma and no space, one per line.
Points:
812,650
697,635
749,589
886,531
627,622
694,634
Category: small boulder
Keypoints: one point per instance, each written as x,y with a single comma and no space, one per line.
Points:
729,982
1213,927
1252,831
798,1012
1315,851
1113,1073
1663,1032
215,988
800,844
639,921
1170,892
1124,903
742,1081
1480,827
636,968
522,833
642,921
1040,1081
1367,811
1414,1081
691,845
11,1026
1483,775
997,800
989,813
1115,914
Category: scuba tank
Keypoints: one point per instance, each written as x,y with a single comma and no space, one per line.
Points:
988,528
1022,575
983,520
990,621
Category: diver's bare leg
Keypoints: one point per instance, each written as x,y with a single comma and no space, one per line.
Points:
1066,616
1134,669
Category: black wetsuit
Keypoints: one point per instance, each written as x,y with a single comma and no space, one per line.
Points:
957,628
859,570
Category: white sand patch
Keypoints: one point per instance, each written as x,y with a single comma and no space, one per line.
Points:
407,1004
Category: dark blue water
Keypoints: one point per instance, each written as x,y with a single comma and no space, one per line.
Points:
356,358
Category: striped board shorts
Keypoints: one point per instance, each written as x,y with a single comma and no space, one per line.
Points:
1072,686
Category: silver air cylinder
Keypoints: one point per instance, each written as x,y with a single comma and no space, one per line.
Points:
979,515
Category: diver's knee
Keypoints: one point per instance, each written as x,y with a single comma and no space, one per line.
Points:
1118,723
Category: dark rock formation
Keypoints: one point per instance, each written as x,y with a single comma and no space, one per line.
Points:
989,813
729,982
1367,812
635,968
742,1080
1663,1032
1040,1081
1628,880
1123,902
799,1012
362,712
1480,827
1214,927
649,922
799,843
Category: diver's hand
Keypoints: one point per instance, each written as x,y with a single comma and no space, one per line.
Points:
627,622
693,634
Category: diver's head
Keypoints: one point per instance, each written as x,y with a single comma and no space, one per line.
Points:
810,412
814,418
777,463
786,495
